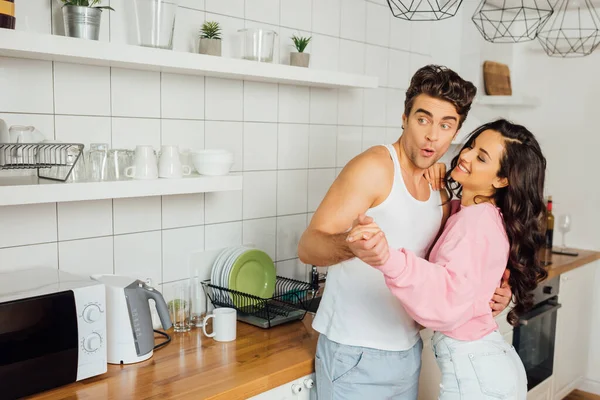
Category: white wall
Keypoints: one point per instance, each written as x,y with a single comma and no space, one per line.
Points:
289,141
565,124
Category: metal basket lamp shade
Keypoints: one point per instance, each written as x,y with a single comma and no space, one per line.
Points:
424,10
511,21
573,30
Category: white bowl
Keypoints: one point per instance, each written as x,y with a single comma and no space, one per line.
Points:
212,162
212,155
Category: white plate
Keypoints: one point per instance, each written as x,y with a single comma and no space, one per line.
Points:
223,266
217,265
226,270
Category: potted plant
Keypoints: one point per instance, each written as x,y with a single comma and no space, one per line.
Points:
210,39
300,58
82,18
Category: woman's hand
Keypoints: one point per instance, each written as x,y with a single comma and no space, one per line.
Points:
436,175
502,296
367,242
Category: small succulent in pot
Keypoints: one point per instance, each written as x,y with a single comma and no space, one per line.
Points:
82,18
210,39
300,58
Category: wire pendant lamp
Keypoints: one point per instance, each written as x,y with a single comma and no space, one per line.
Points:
424,10
573,30
511,21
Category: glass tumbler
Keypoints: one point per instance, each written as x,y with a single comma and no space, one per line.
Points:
257,44
179,303
155,22
118,161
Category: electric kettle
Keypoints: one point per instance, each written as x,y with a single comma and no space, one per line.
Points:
130,335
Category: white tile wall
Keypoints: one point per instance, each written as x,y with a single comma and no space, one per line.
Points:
289,142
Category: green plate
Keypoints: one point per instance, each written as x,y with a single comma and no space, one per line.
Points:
253,273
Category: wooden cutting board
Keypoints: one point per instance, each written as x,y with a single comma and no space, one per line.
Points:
496,79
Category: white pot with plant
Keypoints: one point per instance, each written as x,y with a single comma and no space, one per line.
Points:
210,39
82,18
300,58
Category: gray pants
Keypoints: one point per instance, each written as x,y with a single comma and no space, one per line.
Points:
349,372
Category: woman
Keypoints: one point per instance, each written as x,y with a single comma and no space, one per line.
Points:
499,178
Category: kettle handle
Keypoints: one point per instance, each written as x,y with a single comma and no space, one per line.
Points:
161,307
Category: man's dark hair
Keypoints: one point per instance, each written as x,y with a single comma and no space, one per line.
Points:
444,84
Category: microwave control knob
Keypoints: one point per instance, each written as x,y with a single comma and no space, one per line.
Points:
296,389
309,383
91,313
92,342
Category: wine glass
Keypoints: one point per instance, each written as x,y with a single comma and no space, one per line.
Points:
564,226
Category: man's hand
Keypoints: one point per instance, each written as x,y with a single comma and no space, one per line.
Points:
502,296
436,175
368,242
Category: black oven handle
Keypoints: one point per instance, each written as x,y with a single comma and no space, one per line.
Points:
546,309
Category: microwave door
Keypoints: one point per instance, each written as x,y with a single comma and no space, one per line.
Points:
38,344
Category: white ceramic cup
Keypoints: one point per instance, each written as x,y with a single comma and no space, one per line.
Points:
169,164
144,165
224,324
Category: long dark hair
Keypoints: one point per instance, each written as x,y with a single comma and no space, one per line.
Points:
522,206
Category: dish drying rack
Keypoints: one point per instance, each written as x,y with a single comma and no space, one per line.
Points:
53,161
290,302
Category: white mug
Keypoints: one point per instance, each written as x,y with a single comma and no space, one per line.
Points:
169,164
224,324
144,165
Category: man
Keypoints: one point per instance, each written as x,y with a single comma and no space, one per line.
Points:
369,348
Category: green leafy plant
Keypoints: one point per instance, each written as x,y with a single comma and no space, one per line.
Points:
210,30
301,42
86,3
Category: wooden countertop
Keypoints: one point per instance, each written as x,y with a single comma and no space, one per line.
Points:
562,263
195,367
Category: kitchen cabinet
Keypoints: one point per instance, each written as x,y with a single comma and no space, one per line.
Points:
543,391
573,329
299,389
430,378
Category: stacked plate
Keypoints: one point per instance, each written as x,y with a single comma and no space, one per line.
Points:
246,270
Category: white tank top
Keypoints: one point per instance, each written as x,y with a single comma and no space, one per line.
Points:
357,308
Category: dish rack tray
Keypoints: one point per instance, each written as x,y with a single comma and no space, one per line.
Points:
290,302
52,160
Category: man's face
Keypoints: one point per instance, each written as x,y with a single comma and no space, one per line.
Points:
429,130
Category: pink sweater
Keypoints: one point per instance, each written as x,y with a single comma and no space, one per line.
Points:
451,292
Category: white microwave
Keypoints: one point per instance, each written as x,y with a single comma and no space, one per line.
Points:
52,330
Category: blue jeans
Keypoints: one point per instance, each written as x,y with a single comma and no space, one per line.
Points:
349,372
483,369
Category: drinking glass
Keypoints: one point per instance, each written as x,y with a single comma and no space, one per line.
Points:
155,22
197,295
564,226
98,162
179,303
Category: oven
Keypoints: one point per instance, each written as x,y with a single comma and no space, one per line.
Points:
534,336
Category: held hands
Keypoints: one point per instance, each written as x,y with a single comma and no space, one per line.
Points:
436,175
368,242
502,296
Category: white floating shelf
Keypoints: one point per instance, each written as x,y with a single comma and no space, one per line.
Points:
507,101
29,45
31,190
